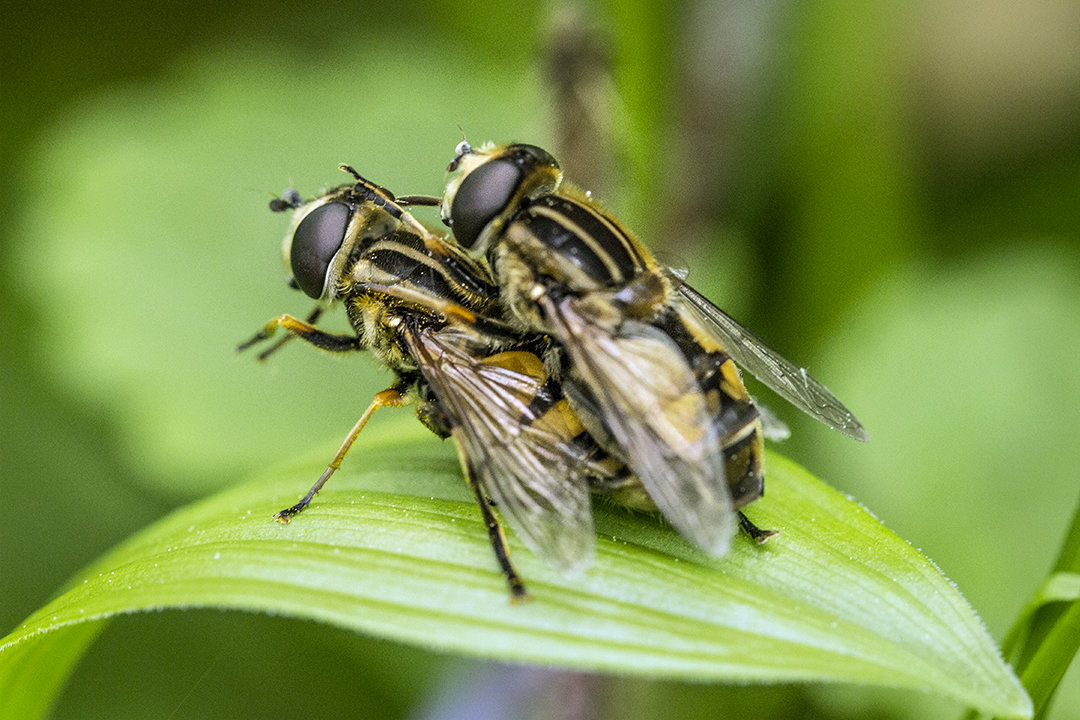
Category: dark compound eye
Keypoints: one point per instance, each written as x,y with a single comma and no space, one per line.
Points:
482,195
532,156
317,239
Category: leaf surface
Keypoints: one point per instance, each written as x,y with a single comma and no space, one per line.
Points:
394,547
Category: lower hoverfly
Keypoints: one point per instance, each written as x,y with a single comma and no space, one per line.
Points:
650,364
430,313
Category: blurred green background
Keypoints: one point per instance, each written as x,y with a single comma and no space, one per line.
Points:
888,192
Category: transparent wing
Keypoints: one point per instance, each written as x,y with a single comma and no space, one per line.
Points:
788,380
772,427
650,402
523,462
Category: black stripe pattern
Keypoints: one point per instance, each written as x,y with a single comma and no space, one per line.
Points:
400,258
584,237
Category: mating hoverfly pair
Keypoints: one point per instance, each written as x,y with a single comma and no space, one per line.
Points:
542,337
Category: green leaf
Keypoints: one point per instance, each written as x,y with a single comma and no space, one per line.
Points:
394,547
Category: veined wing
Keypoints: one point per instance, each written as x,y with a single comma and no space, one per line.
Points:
515,441
650,402
784,377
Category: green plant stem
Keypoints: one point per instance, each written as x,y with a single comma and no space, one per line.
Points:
1045,638
1055,632
1053,657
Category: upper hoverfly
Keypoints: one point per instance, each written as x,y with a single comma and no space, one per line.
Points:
430,313
648,362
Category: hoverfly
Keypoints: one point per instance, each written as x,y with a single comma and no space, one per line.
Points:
650,364
430,314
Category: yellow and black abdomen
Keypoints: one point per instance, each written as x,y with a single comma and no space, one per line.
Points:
735,417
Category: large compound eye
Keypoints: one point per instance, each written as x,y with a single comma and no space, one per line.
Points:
317,239
532,156
483,194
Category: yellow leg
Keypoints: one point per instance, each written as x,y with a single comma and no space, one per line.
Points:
264,335
392,397
306,332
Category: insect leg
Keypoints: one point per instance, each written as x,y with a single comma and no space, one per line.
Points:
419,200
305,331
756,534
498,544
495,534
493,329
264,335
391,397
